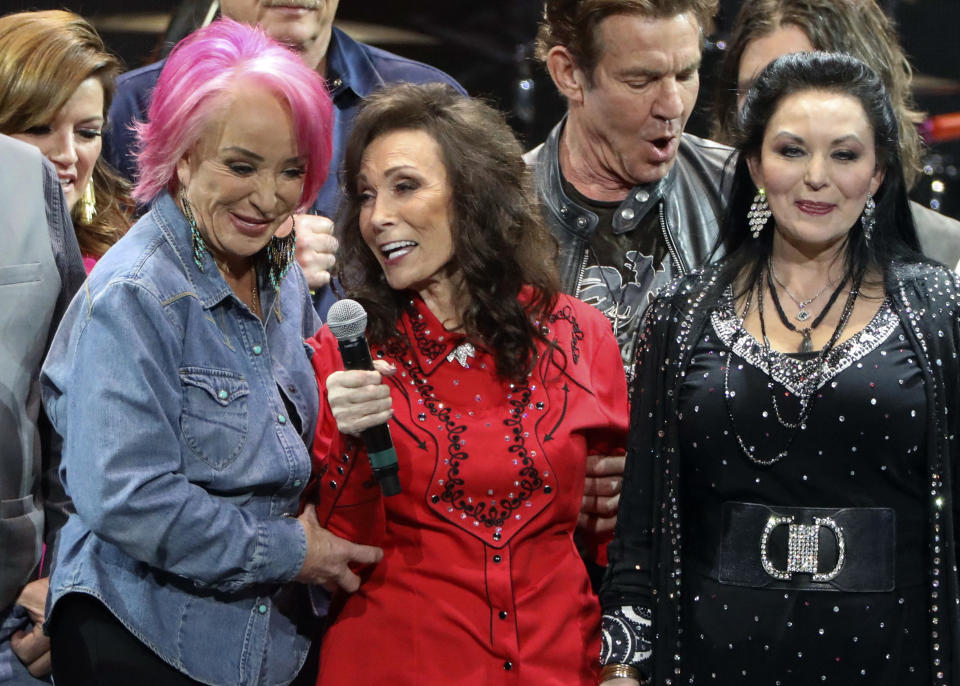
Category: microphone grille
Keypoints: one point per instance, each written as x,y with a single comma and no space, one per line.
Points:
347,319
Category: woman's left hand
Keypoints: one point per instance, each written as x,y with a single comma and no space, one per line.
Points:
360,399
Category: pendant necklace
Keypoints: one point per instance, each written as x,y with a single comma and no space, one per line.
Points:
806,345
803,314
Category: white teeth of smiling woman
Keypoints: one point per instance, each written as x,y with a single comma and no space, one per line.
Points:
390,248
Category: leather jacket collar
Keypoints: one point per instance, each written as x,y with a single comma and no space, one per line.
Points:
691,196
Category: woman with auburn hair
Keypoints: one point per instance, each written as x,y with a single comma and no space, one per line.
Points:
182,390
496,388
767,29
56,83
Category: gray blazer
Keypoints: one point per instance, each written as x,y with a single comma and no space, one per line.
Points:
40,270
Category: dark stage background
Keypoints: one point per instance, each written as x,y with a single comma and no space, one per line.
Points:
487,46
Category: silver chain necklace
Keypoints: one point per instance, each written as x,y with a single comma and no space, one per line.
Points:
803,314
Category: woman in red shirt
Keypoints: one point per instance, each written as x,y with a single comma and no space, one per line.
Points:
495,388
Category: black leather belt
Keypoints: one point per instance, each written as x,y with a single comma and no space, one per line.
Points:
807,548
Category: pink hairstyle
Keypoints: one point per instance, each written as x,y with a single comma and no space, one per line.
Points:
216,60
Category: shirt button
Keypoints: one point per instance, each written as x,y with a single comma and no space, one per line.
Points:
222,395
262,609
503,614
281,419
508,665
257,349
497,558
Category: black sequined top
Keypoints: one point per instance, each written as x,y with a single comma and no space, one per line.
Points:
882,432
862,447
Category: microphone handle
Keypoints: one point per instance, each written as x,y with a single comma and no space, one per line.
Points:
383,456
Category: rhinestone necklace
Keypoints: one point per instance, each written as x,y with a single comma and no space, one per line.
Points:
806,401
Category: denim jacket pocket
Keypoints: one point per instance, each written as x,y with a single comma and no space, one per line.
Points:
214,415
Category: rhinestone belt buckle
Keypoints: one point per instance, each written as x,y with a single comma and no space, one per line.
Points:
803,546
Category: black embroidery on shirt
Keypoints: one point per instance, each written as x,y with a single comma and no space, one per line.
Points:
563,413
566,312
453,492
430,349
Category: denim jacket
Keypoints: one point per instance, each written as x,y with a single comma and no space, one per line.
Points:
184,421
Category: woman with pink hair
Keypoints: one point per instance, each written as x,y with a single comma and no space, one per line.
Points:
183,393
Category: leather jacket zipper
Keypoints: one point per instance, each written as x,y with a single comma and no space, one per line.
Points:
583,268
671,248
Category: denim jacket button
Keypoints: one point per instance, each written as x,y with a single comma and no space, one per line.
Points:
281,419
257,349
222,395
262,609
297,482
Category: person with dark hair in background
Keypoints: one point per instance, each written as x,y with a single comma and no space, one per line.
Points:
185,398
40,270
56,98
352,71
788,507
496,389
766,29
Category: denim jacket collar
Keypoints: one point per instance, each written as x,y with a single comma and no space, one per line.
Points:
349,68
207,282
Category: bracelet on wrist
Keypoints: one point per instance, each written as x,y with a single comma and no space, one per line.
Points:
619,671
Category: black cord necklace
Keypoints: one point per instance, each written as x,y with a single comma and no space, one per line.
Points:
806,401
806,345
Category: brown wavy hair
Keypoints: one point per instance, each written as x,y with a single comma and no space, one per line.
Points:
499,240
573,23
855,27
44,57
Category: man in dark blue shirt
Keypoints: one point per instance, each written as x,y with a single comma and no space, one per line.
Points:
352,71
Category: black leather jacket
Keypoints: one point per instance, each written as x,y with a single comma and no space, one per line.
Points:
693,195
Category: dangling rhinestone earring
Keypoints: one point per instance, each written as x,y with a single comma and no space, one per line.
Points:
867,219
199,246
280,254
87,209
759,213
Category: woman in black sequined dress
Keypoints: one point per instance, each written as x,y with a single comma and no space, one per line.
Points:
787,512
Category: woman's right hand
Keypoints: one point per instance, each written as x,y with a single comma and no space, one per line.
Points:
360,399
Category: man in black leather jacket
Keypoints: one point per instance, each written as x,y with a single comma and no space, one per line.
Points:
632,199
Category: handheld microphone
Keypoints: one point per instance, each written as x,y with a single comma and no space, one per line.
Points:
348,321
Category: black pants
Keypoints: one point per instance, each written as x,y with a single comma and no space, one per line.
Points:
88,645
